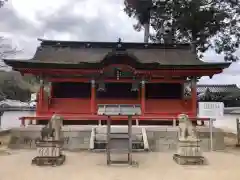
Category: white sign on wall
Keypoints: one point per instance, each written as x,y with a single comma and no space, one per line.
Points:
210,109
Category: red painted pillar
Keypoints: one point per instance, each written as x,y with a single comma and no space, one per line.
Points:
93,97
194,96
143,98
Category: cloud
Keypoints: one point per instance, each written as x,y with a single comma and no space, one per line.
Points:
230,75
85,20
12,22
87,23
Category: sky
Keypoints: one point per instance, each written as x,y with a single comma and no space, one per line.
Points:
24,21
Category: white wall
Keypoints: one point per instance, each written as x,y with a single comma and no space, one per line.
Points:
10,119
227,122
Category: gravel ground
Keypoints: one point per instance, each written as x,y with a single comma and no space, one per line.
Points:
91,166
152,166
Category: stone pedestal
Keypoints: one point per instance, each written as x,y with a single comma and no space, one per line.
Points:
188,152
49,153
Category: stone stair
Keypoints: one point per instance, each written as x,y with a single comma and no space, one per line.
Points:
98,138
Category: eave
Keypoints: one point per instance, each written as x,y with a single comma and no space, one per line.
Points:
50,68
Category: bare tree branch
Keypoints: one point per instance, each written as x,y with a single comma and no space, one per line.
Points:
6,50
2,2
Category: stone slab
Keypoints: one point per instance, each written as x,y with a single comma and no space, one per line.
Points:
72,139
182,160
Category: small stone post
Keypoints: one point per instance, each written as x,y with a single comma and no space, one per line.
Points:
1,113
238,132
108,140
130,140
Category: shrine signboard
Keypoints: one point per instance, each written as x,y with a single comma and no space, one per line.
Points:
210,109
119,142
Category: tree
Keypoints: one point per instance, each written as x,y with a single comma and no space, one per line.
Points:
10,81
203,23
6,49
13,91
2,2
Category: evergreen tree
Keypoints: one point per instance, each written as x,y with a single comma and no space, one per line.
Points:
203,23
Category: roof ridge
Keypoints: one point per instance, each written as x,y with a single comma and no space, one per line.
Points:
214,85
112,44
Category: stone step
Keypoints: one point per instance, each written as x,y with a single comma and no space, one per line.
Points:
103,137
119,137
118,129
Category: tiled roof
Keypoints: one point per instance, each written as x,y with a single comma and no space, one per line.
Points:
75,55
93,52
218,88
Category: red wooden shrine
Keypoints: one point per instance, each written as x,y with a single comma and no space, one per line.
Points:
81,75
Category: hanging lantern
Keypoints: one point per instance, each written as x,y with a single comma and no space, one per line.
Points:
118,73
101,87
135,87
187,90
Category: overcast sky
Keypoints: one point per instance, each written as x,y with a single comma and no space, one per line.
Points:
23,21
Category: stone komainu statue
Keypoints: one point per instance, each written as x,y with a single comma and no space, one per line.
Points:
188,149
186,130
49,148
47,132
53,128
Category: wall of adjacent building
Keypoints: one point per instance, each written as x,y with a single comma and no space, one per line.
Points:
10,119
227,122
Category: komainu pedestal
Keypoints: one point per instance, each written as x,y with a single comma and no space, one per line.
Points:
49,153
188,150
49,148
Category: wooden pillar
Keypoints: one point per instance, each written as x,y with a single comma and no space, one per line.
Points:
194,95
93,97
143,99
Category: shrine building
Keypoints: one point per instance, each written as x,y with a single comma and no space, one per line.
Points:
229,94
77,77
